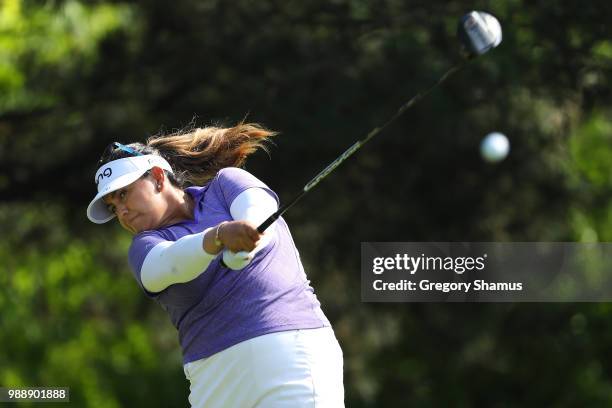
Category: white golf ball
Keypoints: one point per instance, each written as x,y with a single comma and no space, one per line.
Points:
494,147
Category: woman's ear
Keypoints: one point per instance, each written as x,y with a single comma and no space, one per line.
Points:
159,177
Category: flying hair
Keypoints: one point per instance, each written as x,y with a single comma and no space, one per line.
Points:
197,154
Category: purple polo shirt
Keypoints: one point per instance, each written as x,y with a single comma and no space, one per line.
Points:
222,307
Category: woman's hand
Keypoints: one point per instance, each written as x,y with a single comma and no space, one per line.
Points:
239,236
236,236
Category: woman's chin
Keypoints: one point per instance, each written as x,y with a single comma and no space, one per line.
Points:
136,228
133,226
140,225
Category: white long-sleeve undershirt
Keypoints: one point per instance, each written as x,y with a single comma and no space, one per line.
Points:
254,205
183,260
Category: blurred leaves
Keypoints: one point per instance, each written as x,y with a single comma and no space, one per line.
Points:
591,162
70,321
55,41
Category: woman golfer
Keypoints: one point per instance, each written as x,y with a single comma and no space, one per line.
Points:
250,326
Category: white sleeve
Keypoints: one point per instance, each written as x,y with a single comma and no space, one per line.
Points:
175,262
254,205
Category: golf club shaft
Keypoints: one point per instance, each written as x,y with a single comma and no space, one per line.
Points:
356,146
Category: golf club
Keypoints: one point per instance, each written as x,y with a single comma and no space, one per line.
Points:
478,32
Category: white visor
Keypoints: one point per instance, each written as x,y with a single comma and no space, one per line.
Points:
118,174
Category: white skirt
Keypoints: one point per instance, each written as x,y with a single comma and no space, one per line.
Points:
295,368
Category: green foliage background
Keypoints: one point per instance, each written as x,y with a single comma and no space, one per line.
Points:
77,75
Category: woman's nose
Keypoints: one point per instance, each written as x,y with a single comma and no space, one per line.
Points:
121,210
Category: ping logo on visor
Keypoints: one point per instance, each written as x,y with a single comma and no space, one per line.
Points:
107,172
